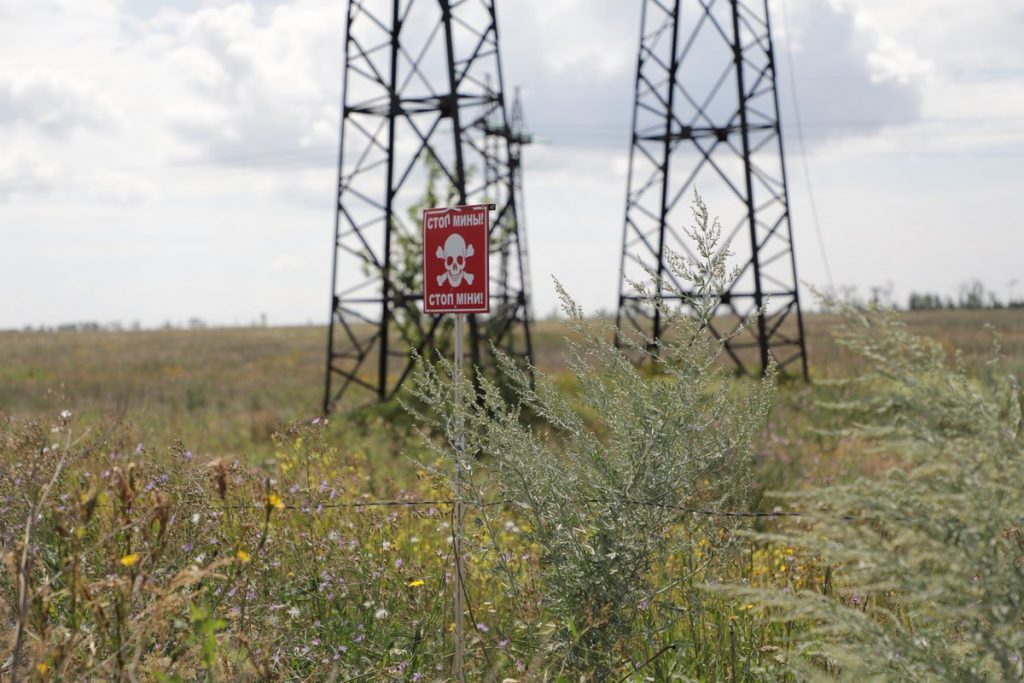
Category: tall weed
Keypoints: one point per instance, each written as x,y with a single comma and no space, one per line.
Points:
927,560
605,477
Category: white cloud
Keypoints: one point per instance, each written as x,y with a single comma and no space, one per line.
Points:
851,79
25,175
286,262
257,80
119,187
52,103
971,47
577,61
891,60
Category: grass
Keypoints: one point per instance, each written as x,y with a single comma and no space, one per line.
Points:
220,390
204,526
229,389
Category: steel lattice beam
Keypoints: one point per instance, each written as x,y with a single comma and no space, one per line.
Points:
706,118
423,92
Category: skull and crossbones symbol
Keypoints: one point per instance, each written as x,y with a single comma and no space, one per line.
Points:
455,254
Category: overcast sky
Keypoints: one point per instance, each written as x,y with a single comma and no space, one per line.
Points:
167,160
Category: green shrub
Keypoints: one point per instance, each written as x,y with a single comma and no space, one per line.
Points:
600,477
927,579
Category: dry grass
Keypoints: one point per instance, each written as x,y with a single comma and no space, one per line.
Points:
965,330
219,389
221,394
225,391
228,388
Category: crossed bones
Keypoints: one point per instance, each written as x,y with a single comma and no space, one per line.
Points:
455,253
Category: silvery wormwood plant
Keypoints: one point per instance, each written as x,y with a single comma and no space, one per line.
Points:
927,558
600,473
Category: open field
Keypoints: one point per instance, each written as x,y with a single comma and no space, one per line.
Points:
227,390
193,520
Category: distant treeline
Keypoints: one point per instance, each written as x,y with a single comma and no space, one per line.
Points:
136,326
115,326
972,295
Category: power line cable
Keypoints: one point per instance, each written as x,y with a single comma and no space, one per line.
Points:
561,132
803,147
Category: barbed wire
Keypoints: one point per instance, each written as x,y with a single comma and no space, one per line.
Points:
709,512
481,504
328,506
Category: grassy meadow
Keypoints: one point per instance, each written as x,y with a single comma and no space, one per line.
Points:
228,390
190,517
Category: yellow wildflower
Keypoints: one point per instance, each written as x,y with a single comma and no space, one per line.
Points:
275,501
129,560
42,667
416,584
243,556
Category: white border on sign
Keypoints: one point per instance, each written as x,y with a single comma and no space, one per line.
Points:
486,308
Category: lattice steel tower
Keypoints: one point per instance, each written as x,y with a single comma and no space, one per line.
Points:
423,107
706,117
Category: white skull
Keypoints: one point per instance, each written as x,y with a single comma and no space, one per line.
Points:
455,254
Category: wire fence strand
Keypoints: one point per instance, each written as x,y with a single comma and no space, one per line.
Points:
709,512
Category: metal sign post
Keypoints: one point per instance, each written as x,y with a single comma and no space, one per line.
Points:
456,279
460,445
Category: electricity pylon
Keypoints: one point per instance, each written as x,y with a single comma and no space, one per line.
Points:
422,98
512,286
706,118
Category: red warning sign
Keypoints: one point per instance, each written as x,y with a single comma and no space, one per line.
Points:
455,259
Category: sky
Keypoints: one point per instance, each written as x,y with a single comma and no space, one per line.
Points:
161,161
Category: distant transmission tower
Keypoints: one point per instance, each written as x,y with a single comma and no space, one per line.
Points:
706,117
423,99
513,276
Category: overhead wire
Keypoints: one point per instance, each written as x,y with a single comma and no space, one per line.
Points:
553,132
314,506
815,217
